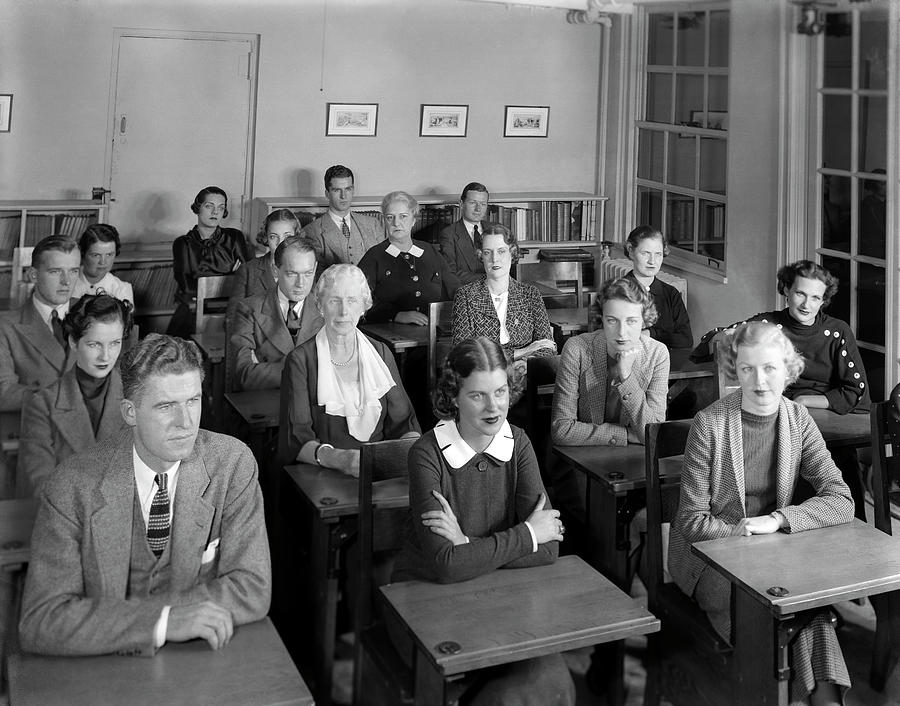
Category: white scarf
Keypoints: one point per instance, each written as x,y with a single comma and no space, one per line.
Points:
374,381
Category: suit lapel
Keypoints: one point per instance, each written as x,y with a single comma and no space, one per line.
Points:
785,472
310,320
273,326
515,309
192,520
466,246
736,445
596,378
38,335
264,272
70,415
487,323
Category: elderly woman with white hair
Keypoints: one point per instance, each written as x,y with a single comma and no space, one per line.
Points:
745,456
341,389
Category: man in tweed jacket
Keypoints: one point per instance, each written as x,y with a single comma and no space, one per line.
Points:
97,583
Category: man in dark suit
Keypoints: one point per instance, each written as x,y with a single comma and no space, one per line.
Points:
340,235
460,241
269,326
33,351
156,535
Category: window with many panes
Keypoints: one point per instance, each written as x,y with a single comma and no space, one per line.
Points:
682,131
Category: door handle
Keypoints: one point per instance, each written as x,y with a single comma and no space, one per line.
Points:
122,125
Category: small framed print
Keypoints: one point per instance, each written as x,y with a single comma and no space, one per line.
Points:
5,111
443,120
526,121
351,119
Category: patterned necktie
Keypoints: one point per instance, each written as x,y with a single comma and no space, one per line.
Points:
476,236
345,229
292,320
158,522
57,327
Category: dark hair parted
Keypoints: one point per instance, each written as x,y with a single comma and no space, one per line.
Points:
203,193
338,171
157,354
466,357
293,242
99,233
473,186
628,290
96,308
809,270
493,228
277,216
757,334
60,243
642,233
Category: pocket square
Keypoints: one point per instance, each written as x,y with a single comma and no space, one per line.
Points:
210,552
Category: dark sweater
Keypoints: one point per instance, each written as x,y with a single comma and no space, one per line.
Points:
673,327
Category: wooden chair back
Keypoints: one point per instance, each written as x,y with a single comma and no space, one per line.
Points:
539,388
687,661
20,285
439,339
727,383
212,300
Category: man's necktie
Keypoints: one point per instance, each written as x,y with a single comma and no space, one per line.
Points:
292,320
158,523
57,327
345,229
476,236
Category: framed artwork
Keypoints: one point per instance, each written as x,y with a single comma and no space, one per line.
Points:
5,111
351,119
526,121
443,120
713,120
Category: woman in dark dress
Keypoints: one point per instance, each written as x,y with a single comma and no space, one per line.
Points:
205,250
478,504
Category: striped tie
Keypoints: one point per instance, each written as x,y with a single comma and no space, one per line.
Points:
345,229
158,522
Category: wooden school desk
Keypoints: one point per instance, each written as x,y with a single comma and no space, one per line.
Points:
254,668
259,410
400,338
212,344
510,615
333,499
813,569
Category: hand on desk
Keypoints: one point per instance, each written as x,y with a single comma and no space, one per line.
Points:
763,524
206,620
345,460
545,523
443,522
411,317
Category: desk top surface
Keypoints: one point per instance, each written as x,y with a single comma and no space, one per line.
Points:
818,567
258,408
399,337
253,668
212,344
619,468
681,367
16,523
522,612
334,494
843,429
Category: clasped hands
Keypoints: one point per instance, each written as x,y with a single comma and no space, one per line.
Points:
546,524
624,363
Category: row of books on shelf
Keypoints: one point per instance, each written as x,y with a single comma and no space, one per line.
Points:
552,222
38,226
154,286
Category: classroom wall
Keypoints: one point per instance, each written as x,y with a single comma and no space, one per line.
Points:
55,57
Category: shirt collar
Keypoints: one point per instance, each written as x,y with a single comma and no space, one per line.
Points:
337,219
470,226
283,302
414,250
458,453
144,476
45,309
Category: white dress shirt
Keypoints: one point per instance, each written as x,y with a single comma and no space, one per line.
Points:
44,310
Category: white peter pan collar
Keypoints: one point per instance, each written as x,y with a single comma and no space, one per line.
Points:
458,453
414,250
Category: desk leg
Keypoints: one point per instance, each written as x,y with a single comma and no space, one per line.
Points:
325,560
429,683
755,654
609,521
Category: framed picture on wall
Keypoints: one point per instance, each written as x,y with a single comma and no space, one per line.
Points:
351,119
526,121
5,111
443,120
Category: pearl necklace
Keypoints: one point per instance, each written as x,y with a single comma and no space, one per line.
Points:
342,365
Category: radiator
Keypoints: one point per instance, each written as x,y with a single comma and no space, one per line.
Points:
613,269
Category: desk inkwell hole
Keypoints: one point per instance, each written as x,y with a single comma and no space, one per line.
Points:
777,591
615,475
448,647
328,500
15,544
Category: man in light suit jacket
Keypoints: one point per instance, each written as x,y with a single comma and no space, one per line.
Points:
155,536
33,352
268,326
461,241
339,235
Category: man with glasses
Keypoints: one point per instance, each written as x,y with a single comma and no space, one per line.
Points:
461,240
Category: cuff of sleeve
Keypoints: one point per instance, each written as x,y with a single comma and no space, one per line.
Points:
162,626
534,544
838,402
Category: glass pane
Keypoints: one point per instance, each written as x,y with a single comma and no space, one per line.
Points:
691,38
650,155
680,221
660,39
873,48
836,132
870,297
840,302
836,212
838,50
682,160
712,165
874,364
659,98
872,214
649,206
688,98
872,133
718,94
718,38
712,229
